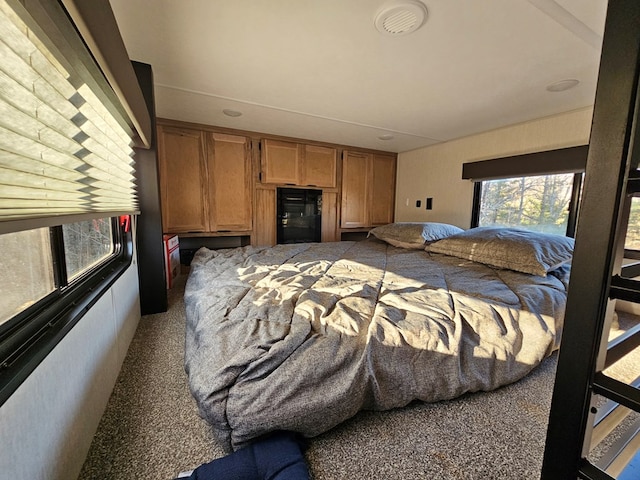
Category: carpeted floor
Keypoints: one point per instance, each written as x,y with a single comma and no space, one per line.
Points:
151,428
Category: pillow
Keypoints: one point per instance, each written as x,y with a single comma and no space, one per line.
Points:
511,248
434,231
413,234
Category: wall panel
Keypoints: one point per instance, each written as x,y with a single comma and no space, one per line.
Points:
436,171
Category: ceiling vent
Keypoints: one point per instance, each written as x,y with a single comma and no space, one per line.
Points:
400,17
563,85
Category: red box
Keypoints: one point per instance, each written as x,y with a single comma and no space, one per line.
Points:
171,258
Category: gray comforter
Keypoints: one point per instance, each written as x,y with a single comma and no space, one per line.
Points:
301,337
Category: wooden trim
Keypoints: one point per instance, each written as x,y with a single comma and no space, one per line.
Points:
225,137
259,135
238,233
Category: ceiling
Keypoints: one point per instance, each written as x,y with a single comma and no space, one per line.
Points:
319,69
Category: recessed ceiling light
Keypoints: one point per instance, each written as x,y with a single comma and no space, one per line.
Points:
231,113
400,17
562,85
386,136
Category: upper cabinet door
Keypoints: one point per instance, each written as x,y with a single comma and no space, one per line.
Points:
182,168
230,191
319,167
383,191
280,162
356,168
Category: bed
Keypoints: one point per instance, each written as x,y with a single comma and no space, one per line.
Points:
301,337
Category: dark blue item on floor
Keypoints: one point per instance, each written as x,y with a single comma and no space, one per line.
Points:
276,457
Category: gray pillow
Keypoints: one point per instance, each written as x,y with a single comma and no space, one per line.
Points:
413,234
510,248
434,231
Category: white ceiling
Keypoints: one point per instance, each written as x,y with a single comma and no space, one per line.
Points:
319,70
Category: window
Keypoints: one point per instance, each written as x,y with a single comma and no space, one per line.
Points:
632,240
86,244
30,255
66,155
538,191
28,258
540,203
53,275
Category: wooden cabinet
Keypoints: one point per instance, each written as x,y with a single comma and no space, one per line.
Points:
329,217
319,165
229,170
280,162
208,186
181,158
368,189
298,164
205,181
383,189
265,217
356,182
265,221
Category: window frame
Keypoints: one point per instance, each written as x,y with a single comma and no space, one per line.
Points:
574,201
547,162
27,338
630,253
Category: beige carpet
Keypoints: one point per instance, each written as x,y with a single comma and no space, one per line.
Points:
151,428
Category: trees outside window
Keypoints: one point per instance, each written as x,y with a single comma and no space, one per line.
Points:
28,265
29,258
632,241
86,244
539,203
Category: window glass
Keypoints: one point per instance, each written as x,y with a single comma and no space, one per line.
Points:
86,244
632,241
539,203
26,261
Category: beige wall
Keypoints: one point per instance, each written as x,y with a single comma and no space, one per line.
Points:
436,171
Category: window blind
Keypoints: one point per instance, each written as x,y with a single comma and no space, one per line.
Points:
62,153
562,160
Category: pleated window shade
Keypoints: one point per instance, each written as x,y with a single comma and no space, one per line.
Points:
61,151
